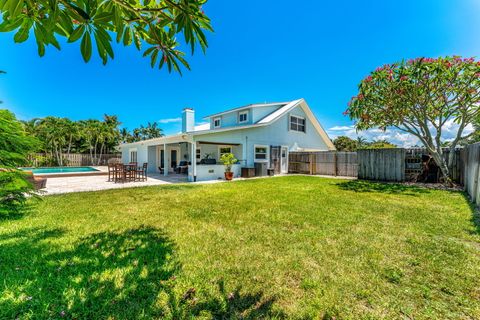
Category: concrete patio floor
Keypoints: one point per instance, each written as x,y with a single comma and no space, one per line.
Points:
95,183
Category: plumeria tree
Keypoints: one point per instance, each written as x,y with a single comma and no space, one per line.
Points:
420,96
152,26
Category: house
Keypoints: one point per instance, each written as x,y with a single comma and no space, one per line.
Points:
259,135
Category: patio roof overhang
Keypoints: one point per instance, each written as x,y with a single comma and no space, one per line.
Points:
178,138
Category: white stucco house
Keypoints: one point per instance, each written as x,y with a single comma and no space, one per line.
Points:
259,135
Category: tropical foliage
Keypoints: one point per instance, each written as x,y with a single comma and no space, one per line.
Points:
152,130
15,145
152,26
228,159
420,96
344,143
60,136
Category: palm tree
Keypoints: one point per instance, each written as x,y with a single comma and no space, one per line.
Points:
361,142
125,136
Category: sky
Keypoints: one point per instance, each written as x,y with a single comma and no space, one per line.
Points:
261,51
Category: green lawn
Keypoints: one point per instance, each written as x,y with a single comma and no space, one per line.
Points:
285,247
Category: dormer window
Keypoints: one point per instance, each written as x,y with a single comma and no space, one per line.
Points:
217,122
297,124
242,116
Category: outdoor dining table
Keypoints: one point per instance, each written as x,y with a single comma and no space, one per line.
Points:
125,172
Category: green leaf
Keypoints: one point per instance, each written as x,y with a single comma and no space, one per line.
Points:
153,59
105,39
148,51
86,47
103,17
8,25
40,48
127,37
101,49
23,33
77,34
15,7
137,40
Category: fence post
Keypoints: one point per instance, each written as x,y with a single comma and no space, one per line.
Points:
310,159
335,163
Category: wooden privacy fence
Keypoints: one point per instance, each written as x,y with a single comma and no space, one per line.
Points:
471,169
381,164
72,159
398,164
330,163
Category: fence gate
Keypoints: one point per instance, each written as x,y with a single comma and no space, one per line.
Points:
331,163
381,164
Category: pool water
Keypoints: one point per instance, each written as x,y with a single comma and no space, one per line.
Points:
59,170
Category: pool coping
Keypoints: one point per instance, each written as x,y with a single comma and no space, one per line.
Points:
102,171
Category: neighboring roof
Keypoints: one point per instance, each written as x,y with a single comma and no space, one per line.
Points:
254,105
267,120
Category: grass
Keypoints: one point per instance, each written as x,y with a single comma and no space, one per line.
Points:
289,247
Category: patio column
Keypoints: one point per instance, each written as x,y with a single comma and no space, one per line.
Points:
166,160
193,160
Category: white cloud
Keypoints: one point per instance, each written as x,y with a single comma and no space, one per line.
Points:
393,135
170,120
340,128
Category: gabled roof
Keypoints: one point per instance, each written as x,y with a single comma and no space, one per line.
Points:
254,105
273,117
267,120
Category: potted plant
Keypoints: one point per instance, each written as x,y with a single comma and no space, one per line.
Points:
228,159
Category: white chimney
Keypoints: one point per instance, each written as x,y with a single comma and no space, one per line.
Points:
188,120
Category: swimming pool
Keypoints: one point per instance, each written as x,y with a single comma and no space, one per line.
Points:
54,170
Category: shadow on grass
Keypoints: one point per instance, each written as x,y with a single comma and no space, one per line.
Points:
475,214
372,186
118,275
16,211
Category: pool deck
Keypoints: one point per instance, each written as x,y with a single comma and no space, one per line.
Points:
83,183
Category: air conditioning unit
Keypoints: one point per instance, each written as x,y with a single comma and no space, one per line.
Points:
261,169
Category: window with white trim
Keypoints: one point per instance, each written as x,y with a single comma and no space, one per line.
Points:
261,153
217,122
297,123
242,116
223,150
133,155
198,155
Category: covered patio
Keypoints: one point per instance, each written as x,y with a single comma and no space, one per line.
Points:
183,155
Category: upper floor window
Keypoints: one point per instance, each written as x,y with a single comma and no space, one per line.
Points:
217,122
243,116
297,124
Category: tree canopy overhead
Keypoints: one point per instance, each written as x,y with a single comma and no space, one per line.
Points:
153,25
420,96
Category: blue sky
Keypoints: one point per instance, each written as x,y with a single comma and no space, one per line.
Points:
260,51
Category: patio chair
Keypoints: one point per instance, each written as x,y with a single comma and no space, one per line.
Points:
130,171
141,172
38,183
111,172
182,167
119,174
